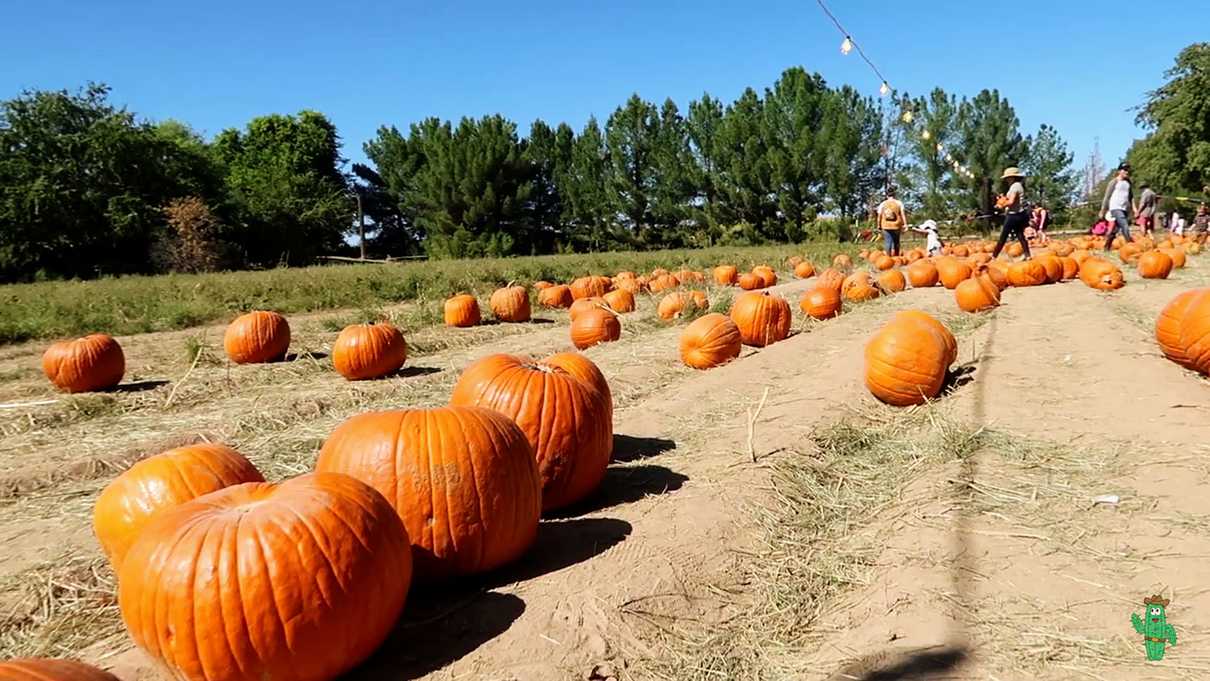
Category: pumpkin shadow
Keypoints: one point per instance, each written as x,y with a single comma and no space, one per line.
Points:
295,356
409,372
627,448
928,663
958,377
625,485
561,544
437,629
138,386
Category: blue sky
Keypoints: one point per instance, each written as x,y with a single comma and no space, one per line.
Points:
1077,65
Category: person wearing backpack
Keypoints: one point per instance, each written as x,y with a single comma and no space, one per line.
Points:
892,218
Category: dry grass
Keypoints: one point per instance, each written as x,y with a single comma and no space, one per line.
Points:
58,608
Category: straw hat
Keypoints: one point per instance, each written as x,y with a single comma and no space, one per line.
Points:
1014,171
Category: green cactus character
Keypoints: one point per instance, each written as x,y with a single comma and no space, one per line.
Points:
1157,633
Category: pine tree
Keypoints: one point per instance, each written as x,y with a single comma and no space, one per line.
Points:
631,134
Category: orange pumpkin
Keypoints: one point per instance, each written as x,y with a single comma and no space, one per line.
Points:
998,271
1129,253
301,580
34,669
583,305
510,304
831,278
257,337
620,300
1168,326
1071,268
1027,273
1101,274
462,311
767,276
663,282
94,362
821,302
892,281
542,285
1195,332
1015,250
842,262
804,270
672,305
858,287
593,327
564,407
923,274
726,275
464,480
750,282
906,363
558,296
590,287
884,262
160,482
710,341
1154,265
977,294
1192,248
925,319
952,272
1177,255
1053,267
631,286
365,351
762,319
961,251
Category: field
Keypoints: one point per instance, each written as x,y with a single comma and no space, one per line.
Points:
767,519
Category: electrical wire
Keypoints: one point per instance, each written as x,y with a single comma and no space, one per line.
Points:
849,37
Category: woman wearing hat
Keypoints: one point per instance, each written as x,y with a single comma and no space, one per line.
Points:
1016,217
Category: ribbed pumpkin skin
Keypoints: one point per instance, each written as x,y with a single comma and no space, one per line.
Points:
725,275
1195,332
905,363
161,482
750,282
1168,326
925,319
293,582
94,362
557,296
1027,273
977,293
762,319
32,669
366,351
1101,274
892,281
462,311
464,480
831,278
821,302
766,275
711,340
1053,266
804,270
510,304
1071,268
858,287
1177,255
672,305
563,406
620,300
583,305
590,287
593,327
1155,265
923,274
952,272
257,337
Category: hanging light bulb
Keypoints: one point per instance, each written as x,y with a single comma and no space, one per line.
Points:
940,147
949,158
847,46
885,89
907,116
925,135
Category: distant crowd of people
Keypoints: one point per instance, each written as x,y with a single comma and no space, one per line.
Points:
1119,205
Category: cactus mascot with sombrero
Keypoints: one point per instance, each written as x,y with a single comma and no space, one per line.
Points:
1157,633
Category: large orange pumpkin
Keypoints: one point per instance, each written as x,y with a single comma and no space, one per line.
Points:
977,294
1101,274
582,305
831,278
858,287
1177,255
892,281
923,274
590,287
804,270
672,305
33,669
257,337
1027,273
725,275
557,296
1195,332
94,362
925,319
462,311
1053,267
1071,268
364,351
593,327
464,480
952,272
1169,323
711,340
905,363
620,300
565,409
998,271
663,282
160,482
298,581
510,304
762,318
1155,265
821,302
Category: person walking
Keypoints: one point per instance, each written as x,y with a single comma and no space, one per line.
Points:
1147,205
1117,206
892,218
1016,214
932,240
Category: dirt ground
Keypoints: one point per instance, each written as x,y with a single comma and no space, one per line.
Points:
1000,553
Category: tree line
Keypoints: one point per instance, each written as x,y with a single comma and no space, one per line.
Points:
88,189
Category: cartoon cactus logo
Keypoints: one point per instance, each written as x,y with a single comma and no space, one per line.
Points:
1153,625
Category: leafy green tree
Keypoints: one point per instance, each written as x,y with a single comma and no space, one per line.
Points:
632,136
990,141
285,190
797,147
1175,156
1052,179
745,183
674,186
548,154
398,160
588,212
940,187
705,158
852,132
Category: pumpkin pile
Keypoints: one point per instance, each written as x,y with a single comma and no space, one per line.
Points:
1182,330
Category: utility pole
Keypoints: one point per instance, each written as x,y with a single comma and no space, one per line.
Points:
361,224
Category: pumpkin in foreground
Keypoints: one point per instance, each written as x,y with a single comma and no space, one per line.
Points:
298,581
257,337
94,362
464,480
1195,332
906,362
762,319
1169,323
595,326
1155,265
978,293
365,351
710,341
161,482
564,407
37,669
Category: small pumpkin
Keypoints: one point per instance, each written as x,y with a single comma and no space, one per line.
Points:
301,580
762,319
726,275
510,304
710,341
462,311
831,278
582,305
1155,265
821,302
977,294
37,669
804,270
365,351
160,482
593,327
620,300
464,481
542,285
1071,268
1015,250
750,282
564,407
663,282
558,296
923,274
257,337
94,362
1053,266
884,262
906,363
767,276
671,306
1177,255
858,287
998,271
892,281
631,286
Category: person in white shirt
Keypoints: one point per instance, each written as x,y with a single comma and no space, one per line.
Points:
933,242
1118,205
1177,224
